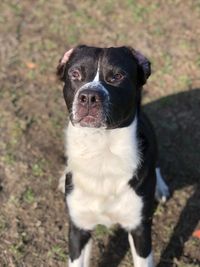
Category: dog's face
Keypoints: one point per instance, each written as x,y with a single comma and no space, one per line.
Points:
102,85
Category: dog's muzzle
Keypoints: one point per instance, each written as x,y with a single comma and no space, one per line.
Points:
89,109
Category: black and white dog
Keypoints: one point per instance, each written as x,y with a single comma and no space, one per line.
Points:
111,149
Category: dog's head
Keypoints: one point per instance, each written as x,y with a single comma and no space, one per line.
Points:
102,86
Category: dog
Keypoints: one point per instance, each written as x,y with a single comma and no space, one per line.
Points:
112,173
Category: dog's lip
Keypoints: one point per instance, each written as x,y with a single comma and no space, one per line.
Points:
88,119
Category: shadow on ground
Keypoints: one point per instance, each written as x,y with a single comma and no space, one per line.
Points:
177,122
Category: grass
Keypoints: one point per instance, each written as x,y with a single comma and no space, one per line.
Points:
184,81
38,168
138,10
33,37
198,61
3,224
101,230
9,159
14,200
17,250
29,196
58,252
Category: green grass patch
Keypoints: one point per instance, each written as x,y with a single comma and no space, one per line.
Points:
29,196
184,81
140,11
167,68
17,250
102,230
38,168
59,253
9,159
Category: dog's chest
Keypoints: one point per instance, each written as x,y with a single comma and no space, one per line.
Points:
101,164
89,209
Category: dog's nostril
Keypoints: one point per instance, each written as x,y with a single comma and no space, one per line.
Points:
83,98
93,99
90,98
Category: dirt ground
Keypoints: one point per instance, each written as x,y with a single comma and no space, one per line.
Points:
33,36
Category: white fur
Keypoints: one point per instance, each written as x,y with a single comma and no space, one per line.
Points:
139,261
77,263
162,190
96,78
87,254
84,258
61,185
102,162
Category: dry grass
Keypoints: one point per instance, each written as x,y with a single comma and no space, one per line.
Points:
33,223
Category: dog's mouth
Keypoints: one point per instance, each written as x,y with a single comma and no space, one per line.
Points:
89,120
88,116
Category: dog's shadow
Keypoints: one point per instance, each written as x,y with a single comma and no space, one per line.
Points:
176,119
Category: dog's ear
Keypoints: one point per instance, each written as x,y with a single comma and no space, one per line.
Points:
144,67
62,64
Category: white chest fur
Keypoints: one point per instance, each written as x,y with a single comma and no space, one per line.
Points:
102,162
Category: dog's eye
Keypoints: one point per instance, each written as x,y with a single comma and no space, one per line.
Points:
75,74
116,77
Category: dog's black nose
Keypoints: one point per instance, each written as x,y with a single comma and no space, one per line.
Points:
90,98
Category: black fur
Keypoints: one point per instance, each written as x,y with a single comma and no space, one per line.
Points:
121,59
142,239
68,183
78,238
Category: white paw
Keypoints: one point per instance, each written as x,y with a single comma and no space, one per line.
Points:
162,191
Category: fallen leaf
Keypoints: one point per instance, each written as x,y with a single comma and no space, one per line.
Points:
196,234
31,65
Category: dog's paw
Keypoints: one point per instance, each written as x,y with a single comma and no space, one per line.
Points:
61,184
162,190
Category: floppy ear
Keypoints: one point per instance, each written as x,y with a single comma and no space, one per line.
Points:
62,64
144,67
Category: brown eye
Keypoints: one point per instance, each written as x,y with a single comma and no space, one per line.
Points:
75,75
116,77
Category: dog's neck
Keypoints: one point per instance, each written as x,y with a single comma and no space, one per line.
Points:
105,153
91,138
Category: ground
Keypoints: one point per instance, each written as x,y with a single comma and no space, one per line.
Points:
34,35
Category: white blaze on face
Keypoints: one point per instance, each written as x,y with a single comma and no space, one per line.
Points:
96,85
96,78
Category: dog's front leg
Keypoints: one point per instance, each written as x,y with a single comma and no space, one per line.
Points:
79,246
140,243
